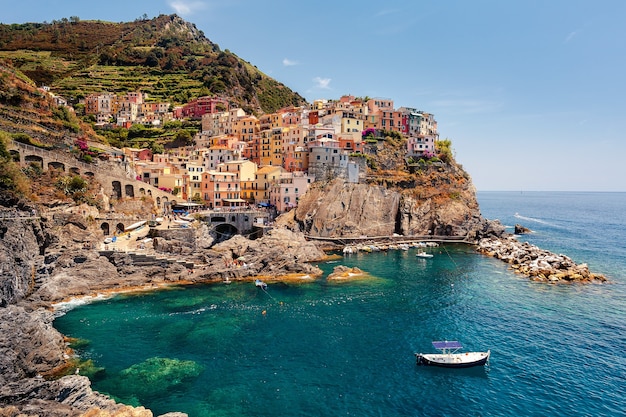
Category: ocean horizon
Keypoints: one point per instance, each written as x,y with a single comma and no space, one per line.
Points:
347,348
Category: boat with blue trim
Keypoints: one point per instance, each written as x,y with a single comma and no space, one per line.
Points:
449,358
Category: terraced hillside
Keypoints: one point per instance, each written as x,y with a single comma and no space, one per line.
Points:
166,57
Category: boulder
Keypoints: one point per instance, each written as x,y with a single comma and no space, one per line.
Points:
536,263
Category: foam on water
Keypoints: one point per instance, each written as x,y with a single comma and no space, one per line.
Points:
63,307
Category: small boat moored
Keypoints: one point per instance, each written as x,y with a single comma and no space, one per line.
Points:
422,254
260,284
449,358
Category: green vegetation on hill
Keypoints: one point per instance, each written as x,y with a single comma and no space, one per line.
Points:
12,179
25,110
165,56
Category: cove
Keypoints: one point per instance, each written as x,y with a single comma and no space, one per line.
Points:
346,348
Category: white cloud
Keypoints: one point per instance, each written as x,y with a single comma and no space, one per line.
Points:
289,63
322,83
185,7
570,36
386,12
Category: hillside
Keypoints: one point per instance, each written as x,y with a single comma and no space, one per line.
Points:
32,115
165,56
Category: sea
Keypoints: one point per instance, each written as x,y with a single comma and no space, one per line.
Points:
329,348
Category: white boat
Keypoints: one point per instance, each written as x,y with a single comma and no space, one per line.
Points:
181,223
422,254
135,226
449,358
260,284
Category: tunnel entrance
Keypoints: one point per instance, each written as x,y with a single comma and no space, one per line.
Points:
224,232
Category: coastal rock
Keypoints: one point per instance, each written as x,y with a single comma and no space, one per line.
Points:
22,241
521,230
536,263
343,209
342,273
67,396
337,209
29,345
279,253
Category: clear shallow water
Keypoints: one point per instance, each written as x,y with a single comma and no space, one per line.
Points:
328,349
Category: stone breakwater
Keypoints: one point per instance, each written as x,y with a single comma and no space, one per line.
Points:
537,264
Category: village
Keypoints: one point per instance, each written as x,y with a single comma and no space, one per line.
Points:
241,160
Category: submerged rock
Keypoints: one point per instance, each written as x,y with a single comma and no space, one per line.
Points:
156,375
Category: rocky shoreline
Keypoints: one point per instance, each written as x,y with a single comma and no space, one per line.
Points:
55,258
40,270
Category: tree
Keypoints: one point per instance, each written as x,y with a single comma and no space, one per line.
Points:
444,149
156,148
183,136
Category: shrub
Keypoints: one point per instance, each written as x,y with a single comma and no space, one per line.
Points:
11,176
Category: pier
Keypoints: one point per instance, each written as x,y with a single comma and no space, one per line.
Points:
346,240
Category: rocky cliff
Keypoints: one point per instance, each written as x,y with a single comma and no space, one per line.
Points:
434,202
22,245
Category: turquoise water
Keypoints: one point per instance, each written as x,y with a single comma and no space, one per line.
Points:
326,349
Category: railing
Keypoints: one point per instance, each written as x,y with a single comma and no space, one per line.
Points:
371,239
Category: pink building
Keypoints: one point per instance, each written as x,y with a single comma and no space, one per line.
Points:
286,191
203,105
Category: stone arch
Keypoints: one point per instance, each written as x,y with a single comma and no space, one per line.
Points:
15,155
117,189
142,191
58,166
105,228
119,228
129,190
34,159
225,231
75,171
90,174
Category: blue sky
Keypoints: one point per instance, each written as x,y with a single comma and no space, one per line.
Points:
531,93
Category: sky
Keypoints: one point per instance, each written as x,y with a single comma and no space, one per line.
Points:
531,93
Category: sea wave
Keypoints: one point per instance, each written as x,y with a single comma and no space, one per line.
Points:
65,306
533,219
